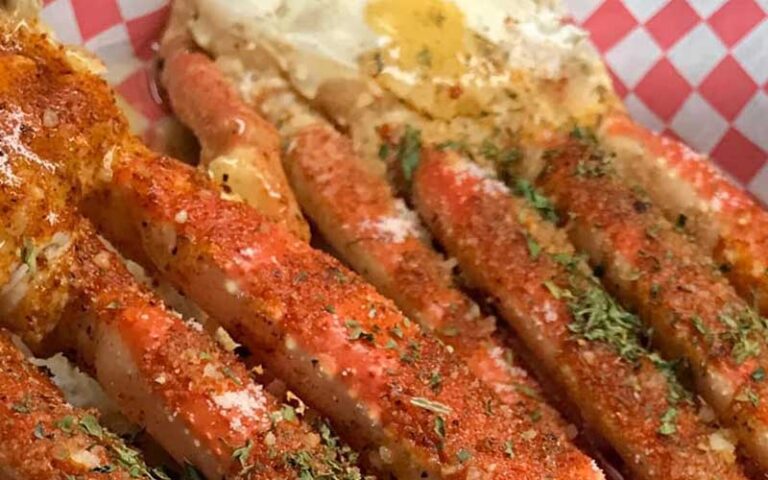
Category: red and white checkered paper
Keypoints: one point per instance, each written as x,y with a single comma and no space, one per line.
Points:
694,69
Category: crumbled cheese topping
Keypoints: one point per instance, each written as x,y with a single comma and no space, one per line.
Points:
86,458
249,403
397,228
181,216
488,183
11,142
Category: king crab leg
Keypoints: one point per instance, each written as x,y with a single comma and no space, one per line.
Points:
314,323
345,201
544,290
693,193
44,438
676,288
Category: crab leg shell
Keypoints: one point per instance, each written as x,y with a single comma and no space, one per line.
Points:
44,438
330,336
241,150
725,220
695,314
377,234
505,249
172,378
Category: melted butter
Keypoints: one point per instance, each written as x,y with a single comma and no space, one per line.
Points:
430,57
426,34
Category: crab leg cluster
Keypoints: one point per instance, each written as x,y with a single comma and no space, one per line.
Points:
66,290
695,313
587,342
592,349
434,398
724,219
405,269
379,237
383,241
346,350
334,340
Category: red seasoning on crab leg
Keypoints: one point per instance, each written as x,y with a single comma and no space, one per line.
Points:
695,314
349,204
322,330
241,150
725,220
44,438
395,392
359,215
194,398
589,345
62,285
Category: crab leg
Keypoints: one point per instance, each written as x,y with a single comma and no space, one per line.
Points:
193,397
695,314
584,339
331,337
377,234
44,438
346,202
241,150
725,220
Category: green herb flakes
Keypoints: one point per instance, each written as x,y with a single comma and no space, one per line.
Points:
463,455
598,317
90,425
356,332
440,426
534,249
22,406
668,422
745,330
66,424
430,405
241,454
288,413
409,151
542,204
29,255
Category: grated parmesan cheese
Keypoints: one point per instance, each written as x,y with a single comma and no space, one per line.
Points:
397,228
249,403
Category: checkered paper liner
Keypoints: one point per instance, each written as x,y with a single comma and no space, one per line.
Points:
693,69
